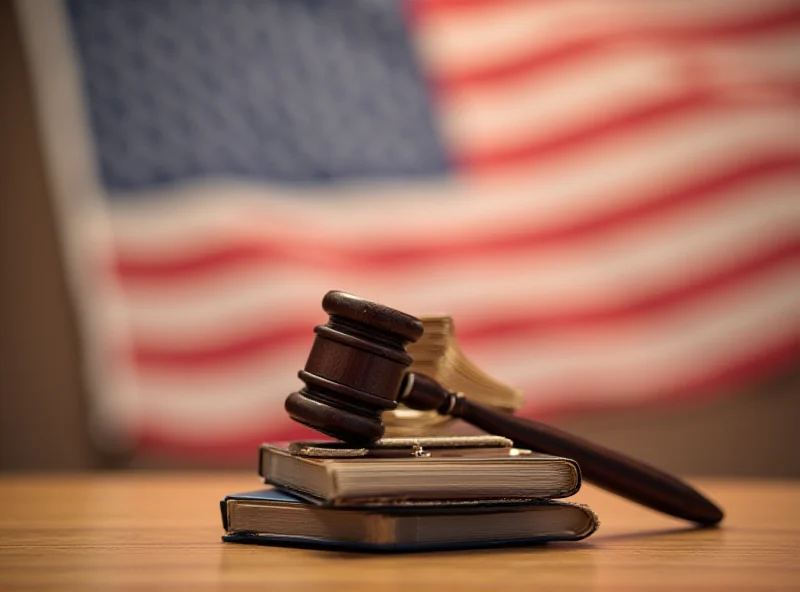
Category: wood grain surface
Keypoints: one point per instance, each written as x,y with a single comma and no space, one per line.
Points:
152,531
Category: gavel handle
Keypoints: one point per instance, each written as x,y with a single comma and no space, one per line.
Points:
618,473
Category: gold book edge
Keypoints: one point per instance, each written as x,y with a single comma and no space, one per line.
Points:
438,355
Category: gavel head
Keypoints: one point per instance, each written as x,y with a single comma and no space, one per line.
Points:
355,368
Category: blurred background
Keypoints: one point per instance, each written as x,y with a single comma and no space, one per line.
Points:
604,196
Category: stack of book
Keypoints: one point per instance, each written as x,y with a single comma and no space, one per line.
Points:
405,494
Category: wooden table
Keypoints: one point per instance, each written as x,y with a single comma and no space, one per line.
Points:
151,531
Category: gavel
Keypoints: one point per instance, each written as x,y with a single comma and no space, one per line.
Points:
357,369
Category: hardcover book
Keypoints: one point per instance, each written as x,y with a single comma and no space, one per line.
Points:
417,471
271,516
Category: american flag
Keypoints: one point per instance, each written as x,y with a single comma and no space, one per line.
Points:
604,195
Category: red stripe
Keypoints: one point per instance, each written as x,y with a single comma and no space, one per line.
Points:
258,343
244,443
540,152
540,326
422,10
132,269
538,60
431,7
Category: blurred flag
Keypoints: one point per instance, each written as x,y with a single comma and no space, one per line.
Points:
605,195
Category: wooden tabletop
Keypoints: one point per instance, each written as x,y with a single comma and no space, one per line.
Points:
152,531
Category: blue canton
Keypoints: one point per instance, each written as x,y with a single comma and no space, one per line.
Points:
287,91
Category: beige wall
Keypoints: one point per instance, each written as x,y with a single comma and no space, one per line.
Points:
42,402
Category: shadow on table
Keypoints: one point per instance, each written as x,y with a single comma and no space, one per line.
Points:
653,533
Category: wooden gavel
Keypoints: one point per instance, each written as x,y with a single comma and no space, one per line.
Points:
357,369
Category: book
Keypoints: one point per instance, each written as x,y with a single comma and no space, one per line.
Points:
271,516
417,471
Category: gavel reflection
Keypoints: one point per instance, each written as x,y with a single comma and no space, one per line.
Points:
357,369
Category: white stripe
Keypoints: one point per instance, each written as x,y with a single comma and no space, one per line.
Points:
539,106
614,81
640,360
602,272
633,362
590,183
476,39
